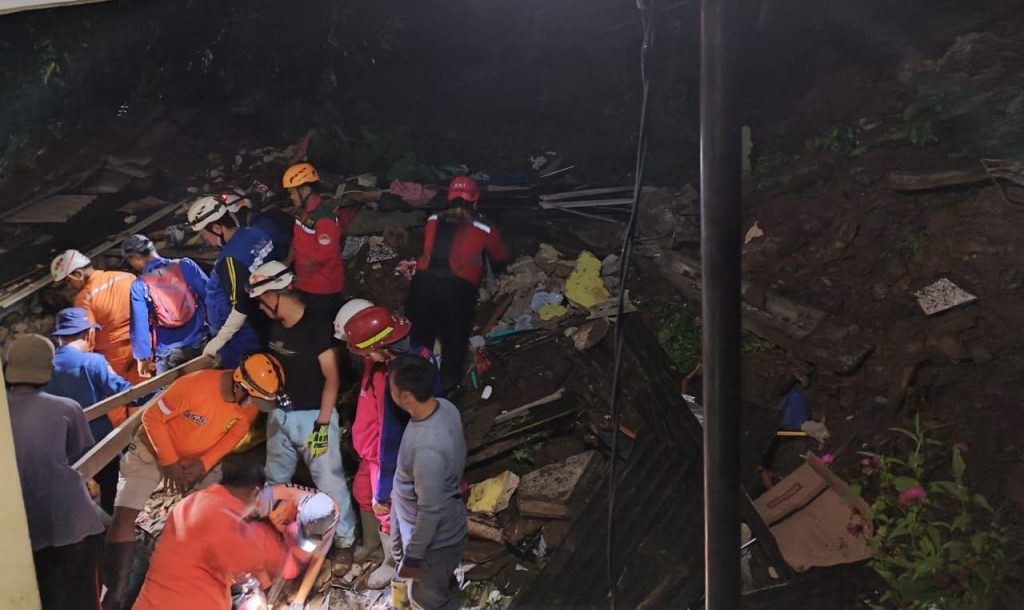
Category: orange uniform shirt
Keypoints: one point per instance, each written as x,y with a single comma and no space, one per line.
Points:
191,421
205,543
106,298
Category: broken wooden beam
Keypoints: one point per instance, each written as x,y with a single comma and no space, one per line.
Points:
146,387
585,203
924,181
586,193
518,411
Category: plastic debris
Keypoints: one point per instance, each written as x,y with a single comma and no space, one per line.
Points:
753,233
941,296
412,193
584,286
486,394
552,311
541,298
406,268
492,495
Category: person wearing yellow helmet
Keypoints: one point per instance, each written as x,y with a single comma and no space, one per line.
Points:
316,239
186,431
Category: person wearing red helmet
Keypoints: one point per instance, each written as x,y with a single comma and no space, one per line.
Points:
442,298
377,336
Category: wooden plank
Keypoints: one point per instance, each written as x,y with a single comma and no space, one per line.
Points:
586,193
111,446
586,203
154,383
514,413
14,6
911,181
44,281
53,209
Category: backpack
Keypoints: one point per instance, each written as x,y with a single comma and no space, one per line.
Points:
173,302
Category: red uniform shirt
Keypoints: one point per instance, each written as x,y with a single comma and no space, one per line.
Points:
316,239
471,238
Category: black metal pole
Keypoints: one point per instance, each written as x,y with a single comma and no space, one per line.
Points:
720,255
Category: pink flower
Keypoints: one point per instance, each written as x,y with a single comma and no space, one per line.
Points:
856,526
960,447
869,466
827,459
911,495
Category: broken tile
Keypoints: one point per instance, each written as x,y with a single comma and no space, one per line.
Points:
941,296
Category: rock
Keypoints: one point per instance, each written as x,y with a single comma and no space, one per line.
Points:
547,258
547,492
590,334
610,265
482,551
754,294
516,527
483,527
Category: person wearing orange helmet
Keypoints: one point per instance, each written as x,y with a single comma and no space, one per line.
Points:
187,430
316,239
377,336
442,297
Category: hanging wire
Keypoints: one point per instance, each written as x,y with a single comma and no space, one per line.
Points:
646,17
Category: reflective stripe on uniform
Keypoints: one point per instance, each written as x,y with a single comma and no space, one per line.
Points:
163,407
483,227
89,295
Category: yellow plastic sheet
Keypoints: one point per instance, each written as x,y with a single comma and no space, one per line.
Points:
585,286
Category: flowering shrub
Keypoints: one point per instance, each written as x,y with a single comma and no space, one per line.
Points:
938,546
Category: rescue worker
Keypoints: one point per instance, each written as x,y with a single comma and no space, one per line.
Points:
64,525
428,516
106,298
231,315
442,297
316,239
168,316
306,425
275,222
86,378
377,336
206,542
307,516
185,434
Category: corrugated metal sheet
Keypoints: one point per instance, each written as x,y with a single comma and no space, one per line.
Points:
657,549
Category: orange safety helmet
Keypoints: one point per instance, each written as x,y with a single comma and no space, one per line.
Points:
464,187
261,375
373,328
299,174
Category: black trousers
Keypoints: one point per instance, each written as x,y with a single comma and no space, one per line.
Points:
106,478
69,576
442,308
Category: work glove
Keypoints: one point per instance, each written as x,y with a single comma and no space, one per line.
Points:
316,444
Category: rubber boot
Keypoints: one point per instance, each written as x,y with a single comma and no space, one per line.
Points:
117,568
370,549
381,577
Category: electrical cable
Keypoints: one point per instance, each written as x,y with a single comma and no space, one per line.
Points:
646,17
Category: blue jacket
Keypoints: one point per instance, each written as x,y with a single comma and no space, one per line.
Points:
247,249
143,313
392,429
277,224
87,379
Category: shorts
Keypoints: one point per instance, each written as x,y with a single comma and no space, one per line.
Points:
140,476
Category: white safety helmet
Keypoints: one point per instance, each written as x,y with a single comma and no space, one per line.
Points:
204,211
317,517
273,275
347,311
66,263
235,200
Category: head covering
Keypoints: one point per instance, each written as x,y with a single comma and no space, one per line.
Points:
30,360
137,244
71,321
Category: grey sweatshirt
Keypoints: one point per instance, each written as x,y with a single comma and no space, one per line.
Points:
425,499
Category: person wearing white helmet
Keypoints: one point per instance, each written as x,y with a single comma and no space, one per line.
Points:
106,298
306,423
233,317
273,221
377,336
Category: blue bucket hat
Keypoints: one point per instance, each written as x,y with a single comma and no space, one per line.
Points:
71,321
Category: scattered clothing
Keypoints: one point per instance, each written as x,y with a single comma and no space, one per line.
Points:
49,432
412,193
204,544
793,407
148,336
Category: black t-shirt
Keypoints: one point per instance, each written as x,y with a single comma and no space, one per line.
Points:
299,348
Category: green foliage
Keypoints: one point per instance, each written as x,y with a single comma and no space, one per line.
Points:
680,336
771,164
939,546
752,343
908,244
839,139
918,127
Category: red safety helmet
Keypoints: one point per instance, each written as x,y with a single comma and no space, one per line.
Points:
464,187
374,328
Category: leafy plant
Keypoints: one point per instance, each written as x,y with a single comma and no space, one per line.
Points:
752,343
840,139
771,164
939,546
908,244
918,128
680,337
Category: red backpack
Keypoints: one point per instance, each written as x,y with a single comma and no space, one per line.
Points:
173,302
